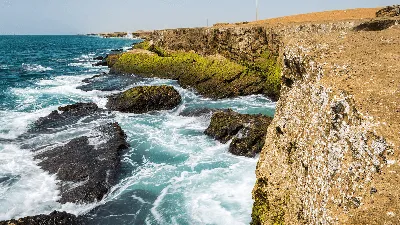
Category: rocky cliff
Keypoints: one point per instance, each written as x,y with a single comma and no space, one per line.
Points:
332,151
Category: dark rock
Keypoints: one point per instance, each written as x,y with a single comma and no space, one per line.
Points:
101,63
90,79
143,99
69,114
389,11
55,218
110,82
87,167
98,58
246,131
117,50
376,25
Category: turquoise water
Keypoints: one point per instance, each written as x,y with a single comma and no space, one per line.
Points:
172,173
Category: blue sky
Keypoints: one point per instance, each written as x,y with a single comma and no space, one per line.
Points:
85,16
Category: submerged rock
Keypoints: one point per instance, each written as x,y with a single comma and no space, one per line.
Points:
54,218
87,167
143,99
246,131
109,82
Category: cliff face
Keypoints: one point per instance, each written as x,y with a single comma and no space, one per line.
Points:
237,43
331,153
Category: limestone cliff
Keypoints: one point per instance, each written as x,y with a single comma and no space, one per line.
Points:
331,154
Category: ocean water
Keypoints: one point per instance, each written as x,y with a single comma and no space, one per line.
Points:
171,174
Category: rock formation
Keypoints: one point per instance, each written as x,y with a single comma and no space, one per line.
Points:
143,99
331,152
55,218
389,11
247,132
88,165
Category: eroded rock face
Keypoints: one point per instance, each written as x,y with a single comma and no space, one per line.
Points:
55,218
325,160
143,99
389,11
247,132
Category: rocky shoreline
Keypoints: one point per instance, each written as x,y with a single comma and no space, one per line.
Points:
321,155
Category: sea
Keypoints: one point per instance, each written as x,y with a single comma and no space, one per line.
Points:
171,174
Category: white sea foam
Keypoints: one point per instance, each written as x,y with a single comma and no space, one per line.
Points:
35,67
33,191
3,66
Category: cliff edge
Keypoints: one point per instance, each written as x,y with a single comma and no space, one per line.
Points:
331,154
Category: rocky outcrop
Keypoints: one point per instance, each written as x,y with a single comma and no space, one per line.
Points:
330,155
143,99
247,132
376,25
389,11
235,43
55,218
87,166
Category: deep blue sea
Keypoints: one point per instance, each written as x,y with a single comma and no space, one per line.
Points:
172,173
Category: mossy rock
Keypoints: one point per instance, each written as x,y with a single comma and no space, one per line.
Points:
143,99
247,132
212,76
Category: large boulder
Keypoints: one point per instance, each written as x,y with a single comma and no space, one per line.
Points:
87,162
87,167
247,132
143,99
55,218
389,11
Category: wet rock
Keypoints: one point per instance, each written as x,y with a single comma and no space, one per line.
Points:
389,11
55,218
68,114
143,99
87,166
246,131
117,50
109,82
90,79
98,58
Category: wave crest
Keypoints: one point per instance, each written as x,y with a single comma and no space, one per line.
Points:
35,67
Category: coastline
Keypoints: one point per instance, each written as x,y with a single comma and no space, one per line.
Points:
331,152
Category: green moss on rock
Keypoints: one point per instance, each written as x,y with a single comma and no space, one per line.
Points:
143,99
211,76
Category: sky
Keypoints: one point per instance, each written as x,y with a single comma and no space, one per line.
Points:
94,16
